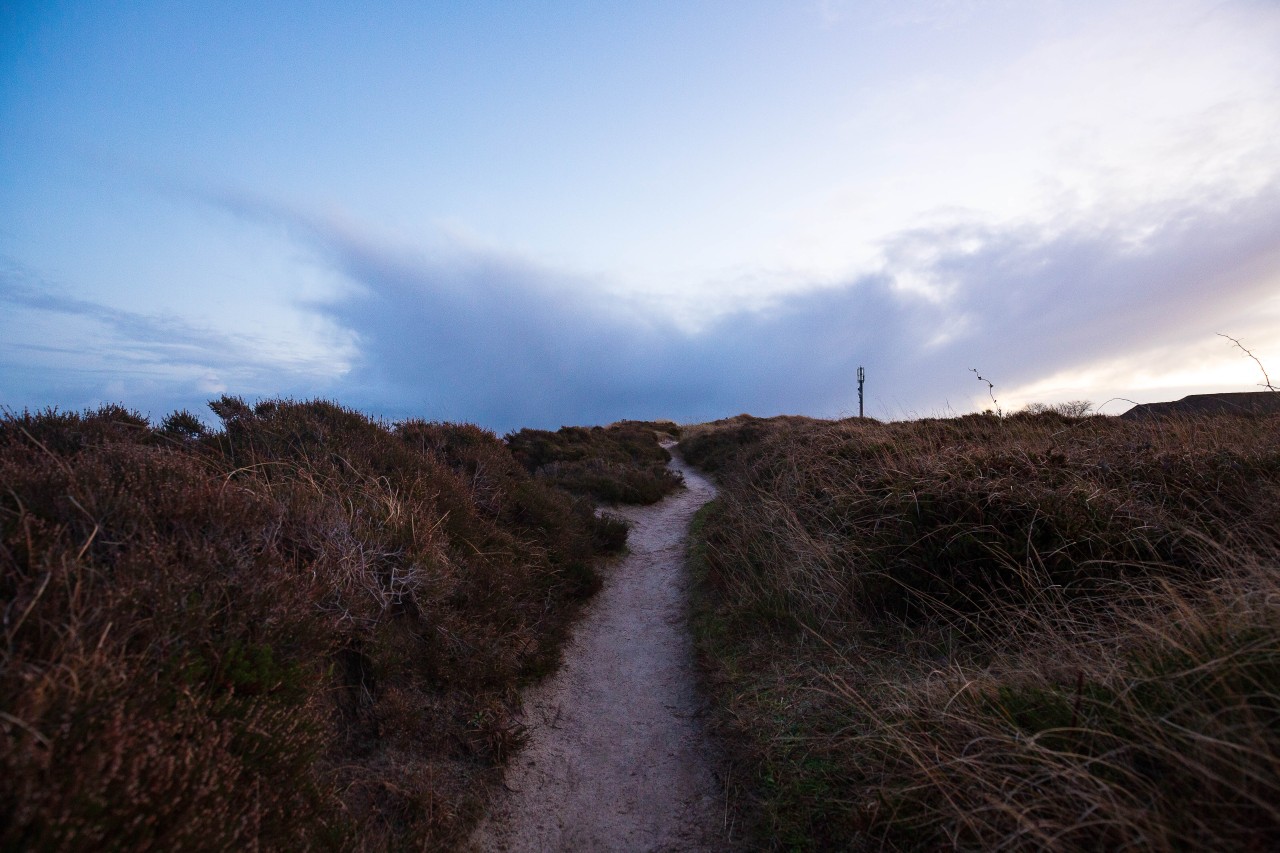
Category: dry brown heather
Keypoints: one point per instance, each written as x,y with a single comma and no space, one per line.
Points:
1021,633
620,463
303,631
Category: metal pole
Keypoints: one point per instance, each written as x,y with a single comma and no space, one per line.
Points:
862,376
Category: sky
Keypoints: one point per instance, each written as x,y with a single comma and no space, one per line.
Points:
543,213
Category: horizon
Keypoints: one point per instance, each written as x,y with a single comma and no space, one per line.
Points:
572,214
1076,408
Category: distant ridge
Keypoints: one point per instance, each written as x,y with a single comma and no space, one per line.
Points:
1234,403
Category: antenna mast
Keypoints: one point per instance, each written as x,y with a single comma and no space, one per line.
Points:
862,377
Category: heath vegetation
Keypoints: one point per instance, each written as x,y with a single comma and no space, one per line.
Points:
1039,631
303,630
306,629
620,463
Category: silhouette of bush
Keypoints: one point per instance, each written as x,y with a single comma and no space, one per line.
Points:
183,424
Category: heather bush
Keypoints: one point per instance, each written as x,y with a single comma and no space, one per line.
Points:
624,463
304,630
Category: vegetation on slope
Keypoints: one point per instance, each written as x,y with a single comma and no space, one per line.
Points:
1023,632
302,631
620,463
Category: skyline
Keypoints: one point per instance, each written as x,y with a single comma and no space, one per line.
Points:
575,214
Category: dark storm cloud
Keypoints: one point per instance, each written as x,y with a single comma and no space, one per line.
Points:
505,344
491,339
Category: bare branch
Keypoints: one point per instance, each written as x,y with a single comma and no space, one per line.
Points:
1267,379
991,389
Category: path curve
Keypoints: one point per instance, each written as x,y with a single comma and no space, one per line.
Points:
617,758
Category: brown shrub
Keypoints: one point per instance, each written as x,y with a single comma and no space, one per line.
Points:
621,463
274,635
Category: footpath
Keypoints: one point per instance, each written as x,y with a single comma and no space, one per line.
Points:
617,758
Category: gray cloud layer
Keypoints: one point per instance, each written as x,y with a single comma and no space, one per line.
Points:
506,344
491,339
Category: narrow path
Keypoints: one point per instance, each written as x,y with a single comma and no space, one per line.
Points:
617,758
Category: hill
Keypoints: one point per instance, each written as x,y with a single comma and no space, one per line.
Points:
1232,403
1028,632
304,630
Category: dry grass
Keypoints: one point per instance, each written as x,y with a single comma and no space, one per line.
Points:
986,633
304,631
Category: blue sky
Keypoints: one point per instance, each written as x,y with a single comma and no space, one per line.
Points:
534,214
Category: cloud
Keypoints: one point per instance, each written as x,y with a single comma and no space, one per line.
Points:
57,348
487,337
1093,294
473,334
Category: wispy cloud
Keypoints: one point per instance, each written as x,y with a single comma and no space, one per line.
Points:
78,352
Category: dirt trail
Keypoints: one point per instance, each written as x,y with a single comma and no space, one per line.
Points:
617,758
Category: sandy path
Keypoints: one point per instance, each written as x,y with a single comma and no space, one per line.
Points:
617,758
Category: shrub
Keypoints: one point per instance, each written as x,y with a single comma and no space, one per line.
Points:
278,634
622,463
1071,409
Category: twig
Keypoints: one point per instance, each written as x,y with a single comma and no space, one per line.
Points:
991,389
1267,383
1113,399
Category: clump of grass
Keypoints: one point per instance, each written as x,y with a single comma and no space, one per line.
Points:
304,630
624,463
1038,631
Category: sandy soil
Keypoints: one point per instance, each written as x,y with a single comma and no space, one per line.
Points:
617,758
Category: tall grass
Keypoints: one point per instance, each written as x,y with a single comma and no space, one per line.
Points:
303,631
998,633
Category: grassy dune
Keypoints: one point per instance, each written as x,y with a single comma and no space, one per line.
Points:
302,631
1018,633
